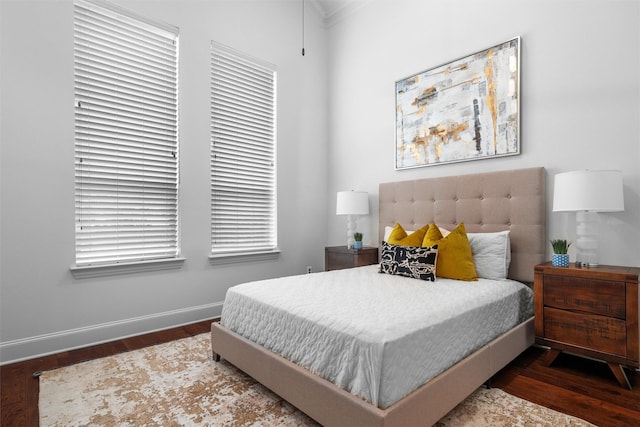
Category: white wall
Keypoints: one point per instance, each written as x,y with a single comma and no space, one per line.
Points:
580,96
43,308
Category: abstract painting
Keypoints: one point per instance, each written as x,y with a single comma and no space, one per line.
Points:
467,109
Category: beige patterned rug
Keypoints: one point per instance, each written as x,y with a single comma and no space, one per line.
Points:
177,384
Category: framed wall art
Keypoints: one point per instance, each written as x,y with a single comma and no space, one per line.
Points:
467,109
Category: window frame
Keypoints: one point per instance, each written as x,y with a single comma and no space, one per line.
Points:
126,137
243,102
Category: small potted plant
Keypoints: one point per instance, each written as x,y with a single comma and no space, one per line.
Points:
358,240
560,256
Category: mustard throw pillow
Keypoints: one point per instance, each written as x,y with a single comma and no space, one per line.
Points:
455,259
399,237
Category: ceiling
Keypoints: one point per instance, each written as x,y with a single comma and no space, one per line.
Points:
330,9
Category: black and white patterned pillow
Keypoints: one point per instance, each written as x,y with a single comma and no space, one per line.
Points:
409,261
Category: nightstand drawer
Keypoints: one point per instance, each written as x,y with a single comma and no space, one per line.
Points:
602,297
338,261
607,334
339,257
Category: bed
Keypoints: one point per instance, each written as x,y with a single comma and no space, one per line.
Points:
485,203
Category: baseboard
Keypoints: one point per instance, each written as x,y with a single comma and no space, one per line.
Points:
43,345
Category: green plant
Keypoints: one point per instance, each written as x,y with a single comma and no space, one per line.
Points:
560,246
357,237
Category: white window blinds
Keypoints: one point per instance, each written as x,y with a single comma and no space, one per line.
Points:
126,136
243,150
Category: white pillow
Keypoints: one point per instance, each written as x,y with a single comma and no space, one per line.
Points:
388,229
491,254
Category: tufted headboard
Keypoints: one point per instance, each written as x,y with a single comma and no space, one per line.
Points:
494,201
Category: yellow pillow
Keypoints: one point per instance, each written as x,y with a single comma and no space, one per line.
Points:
455,259
399,237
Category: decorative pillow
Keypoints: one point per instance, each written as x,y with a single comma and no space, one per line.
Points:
491,254
455,259
409,261
399,237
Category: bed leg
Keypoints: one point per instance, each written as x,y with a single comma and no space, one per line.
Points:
216,357
487,383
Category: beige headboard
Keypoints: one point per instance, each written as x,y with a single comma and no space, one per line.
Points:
493,201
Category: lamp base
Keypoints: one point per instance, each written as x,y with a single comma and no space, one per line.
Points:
351,227
587,238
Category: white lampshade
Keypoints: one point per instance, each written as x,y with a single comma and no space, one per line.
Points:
588,190
352,203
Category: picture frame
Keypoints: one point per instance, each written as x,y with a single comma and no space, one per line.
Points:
466,109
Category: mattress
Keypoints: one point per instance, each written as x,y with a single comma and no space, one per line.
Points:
376,335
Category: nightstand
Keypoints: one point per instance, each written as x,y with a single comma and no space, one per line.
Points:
339,257
590,312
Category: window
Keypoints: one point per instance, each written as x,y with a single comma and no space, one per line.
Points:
243,154
126,137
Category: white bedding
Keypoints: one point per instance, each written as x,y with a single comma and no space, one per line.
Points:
376,335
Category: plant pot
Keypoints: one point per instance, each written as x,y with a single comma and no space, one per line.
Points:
357,245
560,260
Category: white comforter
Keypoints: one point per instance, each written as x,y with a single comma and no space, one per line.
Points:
376,335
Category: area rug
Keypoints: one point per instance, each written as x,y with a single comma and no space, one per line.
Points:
177,384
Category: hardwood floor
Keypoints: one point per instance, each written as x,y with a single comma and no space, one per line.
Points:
573,385
584,388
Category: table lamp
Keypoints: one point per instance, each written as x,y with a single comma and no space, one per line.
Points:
352,203
587,192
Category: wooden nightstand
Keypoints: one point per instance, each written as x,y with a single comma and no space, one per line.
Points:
590,312
339,257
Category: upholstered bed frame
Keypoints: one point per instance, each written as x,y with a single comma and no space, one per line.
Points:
508,200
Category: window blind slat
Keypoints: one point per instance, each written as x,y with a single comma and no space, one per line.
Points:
104,46
147,157
126,98
96,94
104,108
243,178
131,63
113,17
126,128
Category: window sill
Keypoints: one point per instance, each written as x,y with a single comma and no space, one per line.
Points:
239,257
90,271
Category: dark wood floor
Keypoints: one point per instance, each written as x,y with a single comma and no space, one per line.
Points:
575,386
